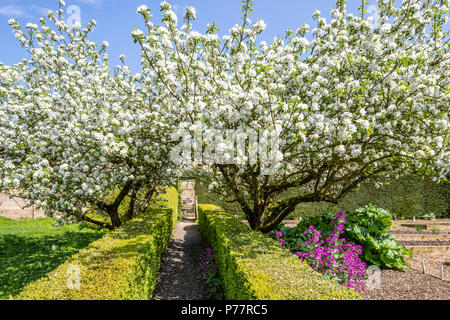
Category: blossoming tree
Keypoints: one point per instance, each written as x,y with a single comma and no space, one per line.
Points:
352,103
74,131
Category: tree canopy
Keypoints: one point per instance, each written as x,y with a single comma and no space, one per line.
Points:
352,103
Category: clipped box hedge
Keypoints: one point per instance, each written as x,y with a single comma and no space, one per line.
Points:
254,267
123,264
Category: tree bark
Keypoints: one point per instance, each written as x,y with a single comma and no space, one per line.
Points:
113,213
98,223
145,202
130,212
113,209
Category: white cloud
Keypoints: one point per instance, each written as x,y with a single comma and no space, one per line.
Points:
21,11
92,2
41,10
13,11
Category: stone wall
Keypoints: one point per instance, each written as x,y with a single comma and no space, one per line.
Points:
14,208
188,197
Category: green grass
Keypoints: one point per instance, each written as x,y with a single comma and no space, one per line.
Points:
31,248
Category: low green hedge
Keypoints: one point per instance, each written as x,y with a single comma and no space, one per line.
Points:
173,203
123,264
254,267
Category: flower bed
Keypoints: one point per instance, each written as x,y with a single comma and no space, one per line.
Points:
252,266
320,242
328,253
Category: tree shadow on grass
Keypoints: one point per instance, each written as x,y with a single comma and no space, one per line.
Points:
24,259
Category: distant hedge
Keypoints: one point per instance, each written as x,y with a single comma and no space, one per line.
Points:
254,267
123,264
406,197
170,200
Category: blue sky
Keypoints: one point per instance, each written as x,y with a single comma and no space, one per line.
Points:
117,18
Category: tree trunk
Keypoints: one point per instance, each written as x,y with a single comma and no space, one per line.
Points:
113,209
145,202
131,212
113,213
253,221
274,212
98,223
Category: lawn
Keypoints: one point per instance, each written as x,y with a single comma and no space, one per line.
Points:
31,248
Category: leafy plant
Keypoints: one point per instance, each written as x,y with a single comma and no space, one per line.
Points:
419,227
369,226
214,282
253,267
122,265
429,216
327,252
435,230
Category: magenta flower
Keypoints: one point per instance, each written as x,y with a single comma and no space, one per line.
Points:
331,255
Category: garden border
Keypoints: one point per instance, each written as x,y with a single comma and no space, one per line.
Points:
254,267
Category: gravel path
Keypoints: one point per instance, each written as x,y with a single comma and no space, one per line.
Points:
413,284
182,276
434,265
408,285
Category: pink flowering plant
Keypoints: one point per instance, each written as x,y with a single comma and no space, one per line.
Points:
326,250
213,280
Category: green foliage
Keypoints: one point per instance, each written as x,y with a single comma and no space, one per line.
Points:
429,216
420,227
213,280
180,202
435,230
204,196
169,199
406,197
33,247
369,226
124,264
254,267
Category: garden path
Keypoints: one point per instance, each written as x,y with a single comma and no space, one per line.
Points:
182,276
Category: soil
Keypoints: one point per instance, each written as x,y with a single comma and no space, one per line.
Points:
406,230
408,285
408,243
433,265
414,284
